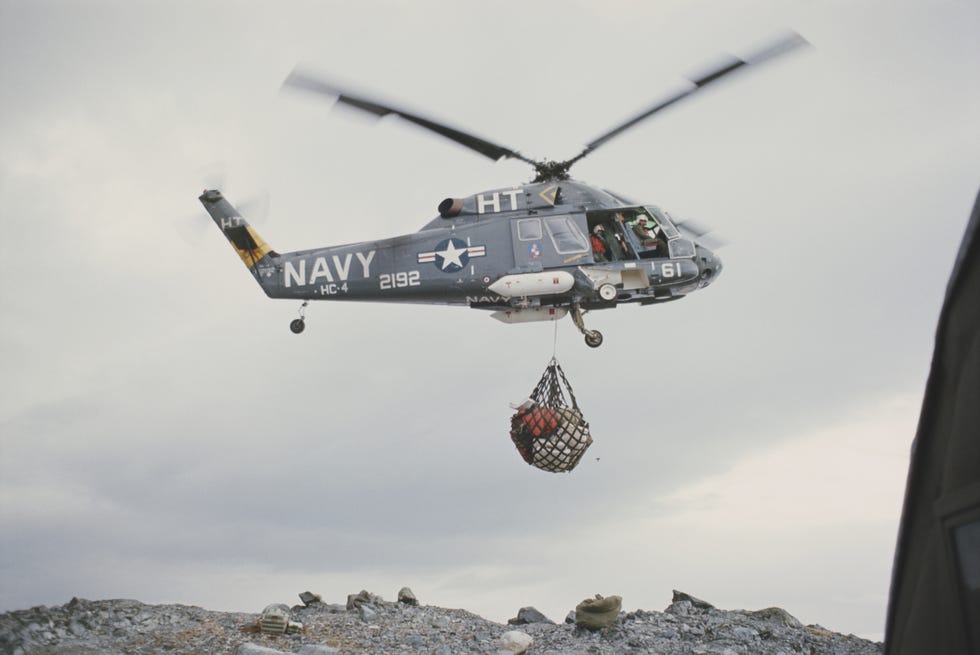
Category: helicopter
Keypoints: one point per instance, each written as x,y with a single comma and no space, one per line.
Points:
536,251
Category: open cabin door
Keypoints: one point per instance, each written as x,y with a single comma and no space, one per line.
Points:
639,240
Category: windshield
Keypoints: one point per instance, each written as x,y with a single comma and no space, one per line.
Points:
669,230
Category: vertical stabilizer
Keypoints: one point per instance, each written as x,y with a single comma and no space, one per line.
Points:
243,238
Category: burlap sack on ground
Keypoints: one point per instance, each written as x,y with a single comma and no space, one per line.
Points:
597,613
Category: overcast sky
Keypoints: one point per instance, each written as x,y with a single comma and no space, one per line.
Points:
163,436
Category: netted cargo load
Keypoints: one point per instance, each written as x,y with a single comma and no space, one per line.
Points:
548,428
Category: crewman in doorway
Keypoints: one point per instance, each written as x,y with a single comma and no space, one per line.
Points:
599,251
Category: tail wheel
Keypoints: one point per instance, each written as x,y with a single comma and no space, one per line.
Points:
593,339
297,325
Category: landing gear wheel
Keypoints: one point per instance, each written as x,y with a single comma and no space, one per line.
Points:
607,292
593,338
297,325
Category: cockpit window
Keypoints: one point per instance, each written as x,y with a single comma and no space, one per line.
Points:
566,235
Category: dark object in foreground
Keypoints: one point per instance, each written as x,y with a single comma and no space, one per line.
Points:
934,605
548,429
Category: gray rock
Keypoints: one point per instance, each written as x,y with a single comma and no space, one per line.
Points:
406,597
364,597
317,649
696,602
366,613
775,615
527,615
248,648
515,642
744,634
415,641
309,598
680,608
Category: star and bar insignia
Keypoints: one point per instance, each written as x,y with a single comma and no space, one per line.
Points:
451,255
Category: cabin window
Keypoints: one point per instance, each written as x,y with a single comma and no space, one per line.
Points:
565,235
967,544
529,229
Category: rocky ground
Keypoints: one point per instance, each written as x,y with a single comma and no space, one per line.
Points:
368,624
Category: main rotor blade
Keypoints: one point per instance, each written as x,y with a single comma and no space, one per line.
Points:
308,82
733,64
701,233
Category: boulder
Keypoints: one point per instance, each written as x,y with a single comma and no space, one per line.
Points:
363,598
695,602
527,615
776,615
597,613
515,642
406,597
309,598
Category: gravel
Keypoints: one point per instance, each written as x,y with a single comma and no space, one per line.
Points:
111,627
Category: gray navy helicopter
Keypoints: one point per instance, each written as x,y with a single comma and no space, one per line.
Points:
532,252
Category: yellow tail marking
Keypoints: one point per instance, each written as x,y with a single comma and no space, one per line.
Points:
250,256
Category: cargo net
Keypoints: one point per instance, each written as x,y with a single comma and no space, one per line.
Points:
548,428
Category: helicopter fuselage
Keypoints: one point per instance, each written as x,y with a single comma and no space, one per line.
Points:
508,249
